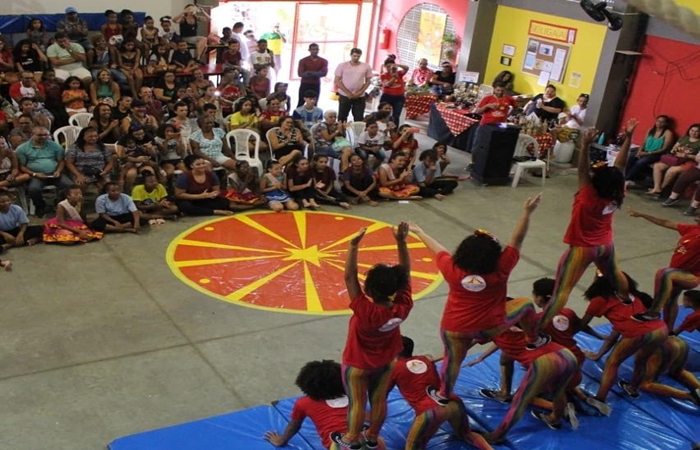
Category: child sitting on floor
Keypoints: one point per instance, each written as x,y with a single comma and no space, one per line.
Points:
152,201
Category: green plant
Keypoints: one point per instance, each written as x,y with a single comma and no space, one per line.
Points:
450,38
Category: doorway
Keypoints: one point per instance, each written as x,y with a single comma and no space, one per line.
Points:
335,26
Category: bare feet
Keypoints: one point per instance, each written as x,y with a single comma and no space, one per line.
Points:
440,197
372,203
223,212
344,205
32,242
6,264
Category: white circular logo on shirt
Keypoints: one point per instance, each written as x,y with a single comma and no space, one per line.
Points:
391,324
561,323
610,208
417,366
473,283
340,402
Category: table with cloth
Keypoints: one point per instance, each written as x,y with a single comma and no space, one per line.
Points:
546,143
451,126
417,104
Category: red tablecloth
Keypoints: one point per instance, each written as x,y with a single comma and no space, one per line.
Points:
457,122
546,142
418,104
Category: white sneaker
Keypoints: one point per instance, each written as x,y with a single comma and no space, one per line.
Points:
570,413
602,407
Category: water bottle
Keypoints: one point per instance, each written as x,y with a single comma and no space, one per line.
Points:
601,139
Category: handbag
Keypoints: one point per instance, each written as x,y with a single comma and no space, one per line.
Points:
672,160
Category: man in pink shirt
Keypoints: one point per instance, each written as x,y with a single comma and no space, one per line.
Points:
352,78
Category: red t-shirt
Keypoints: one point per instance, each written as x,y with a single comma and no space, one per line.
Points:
513,343
476,302
317,65
499,115
413,375
327,415
687,253
562,329
591,219
397,87
691,323
374,335
16,91
620,316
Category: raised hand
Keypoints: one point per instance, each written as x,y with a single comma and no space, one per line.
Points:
590,134
401,231
358,237
414,228
631,125
532,203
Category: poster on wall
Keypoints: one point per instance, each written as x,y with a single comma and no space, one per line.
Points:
548,49
431,30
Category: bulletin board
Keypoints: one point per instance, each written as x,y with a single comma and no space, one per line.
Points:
546,56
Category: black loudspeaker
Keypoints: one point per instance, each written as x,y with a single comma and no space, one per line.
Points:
492,153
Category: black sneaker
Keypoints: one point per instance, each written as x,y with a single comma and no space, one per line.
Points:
493,395
541,415
543,339
627,388
433,393
645,317
690,211
39,212
337,437
370,444
670,201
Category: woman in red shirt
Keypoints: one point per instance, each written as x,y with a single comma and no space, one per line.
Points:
324,402
477,274
590,235
682,273
393,86
639,339
374,338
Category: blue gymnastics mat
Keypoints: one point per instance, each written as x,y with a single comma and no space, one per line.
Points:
647,423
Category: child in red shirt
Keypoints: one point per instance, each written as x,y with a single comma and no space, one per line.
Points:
412,375
477,274
691,299
670,358
683,271
549,369
639,339
590,235
324,402
374,338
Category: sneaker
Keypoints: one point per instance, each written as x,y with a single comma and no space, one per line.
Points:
494,395
630,183
670,201
433,393
337,437
690,211
570,413
543,339
370,444
541,415
645,317
627,387
602,407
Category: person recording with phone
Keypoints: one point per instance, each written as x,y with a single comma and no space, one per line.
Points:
394,86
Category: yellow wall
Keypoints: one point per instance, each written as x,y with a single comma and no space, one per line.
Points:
692,4
511,28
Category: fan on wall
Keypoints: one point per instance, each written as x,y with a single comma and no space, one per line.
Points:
599,13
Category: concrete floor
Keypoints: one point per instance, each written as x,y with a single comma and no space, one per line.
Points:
101,341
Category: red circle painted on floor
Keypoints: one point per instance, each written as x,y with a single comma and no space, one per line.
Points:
289,262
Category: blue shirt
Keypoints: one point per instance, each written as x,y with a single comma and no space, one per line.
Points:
13,218
420,172
124,205
40,159
308,117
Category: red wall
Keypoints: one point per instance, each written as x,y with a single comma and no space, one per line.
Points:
392,11
667,82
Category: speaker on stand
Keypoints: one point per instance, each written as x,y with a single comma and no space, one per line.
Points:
492,153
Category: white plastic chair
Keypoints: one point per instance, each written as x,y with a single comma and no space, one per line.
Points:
80,119
357,129
524,141
272,131
334,162
67,134
227,123
263,104
240,148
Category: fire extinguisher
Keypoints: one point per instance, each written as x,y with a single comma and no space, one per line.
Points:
384,38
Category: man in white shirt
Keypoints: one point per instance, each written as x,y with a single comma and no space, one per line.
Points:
577,113
262,57
352,78
238,34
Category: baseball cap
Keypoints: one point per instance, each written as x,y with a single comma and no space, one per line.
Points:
71,10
